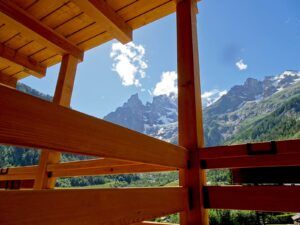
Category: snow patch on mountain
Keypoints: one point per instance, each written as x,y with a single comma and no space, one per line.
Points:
159,118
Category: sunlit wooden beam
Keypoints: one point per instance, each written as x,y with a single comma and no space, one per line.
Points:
89,206
103,14
30,66
48,126
18,18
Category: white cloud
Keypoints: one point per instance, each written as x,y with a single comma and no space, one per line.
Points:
210,97
241,65
167,84
129,63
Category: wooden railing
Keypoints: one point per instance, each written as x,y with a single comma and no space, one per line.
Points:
31,122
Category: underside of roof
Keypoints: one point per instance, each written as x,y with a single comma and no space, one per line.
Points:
34,34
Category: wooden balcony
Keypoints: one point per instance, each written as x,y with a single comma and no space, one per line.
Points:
32,38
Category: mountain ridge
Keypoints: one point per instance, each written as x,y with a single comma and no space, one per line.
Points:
222,119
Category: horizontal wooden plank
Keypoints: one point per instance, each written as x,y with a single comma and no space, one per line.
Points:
49,126
89,206
258,198
25,23
18,173
269,175
124,169
278,160
87,164
91,167
102,167
30,66
230,151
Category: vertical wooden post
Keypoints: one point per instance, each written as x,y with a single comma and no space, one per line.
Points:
62,96
190,125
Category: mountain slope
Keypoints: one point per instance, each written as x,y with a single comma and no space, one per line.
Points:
157,118
234,111
247,103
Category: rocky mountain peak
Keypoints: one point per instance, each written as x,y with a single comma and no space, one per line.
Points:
133,101
159,117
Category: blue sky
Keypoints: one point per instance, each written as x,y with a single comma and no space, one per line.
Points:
237,40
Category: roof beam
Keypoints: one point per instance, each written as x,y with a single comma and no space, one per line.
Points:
30,66
8,80
28,25
89,206
62,129
103,14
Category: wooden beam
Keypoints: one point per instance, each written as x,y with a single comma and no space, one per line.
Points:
30,66
87,164
8,80
269,175
93,206
103,14
62,96
49,126
32,27
65,82
102,167
190,125
258,198
19,173
279,160
108,170
82,168
230,151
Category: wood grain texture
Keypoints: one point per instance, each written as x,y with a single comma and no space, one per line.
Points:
92,207
46,125
8,81
190,125
30,66
104,14
19,173
108,170
30,26
79,168
62,96
259,198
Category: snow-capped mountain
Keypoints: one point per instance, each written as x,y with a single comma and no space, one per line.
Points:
223,111
157,118
210,97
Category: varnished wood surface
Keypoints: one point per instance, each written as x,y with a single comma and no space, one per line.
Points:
92,207
61,26
80,168
190,126
62,96
259,198
46,125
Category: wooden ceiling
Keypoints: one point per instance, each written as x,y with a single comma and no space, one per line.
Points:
34,34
